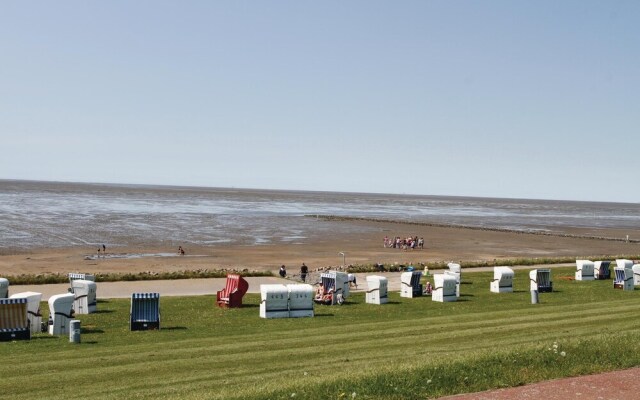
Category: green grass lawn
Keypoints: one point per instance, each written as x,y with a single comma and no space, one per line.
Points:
407,349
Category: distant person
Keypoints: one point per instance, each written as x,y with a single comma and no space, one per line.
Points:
283,271
104,248
351,278
180,250
421,243
304,270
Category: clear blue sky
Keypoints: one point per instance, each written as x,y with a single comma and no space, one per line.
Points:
533,99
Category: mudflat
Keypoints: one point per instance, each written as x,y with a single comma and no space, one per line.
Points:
323,250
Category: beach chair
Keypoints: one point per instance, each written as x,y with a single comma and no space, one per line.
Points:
60,313
300,300
377,292
584,270
334,288
623,278
502,280
457,269
636,274
145,311
14,323
231,295
601,270
540,280
274,301
85,296
410,285
445,288
4,288
33,309
79,276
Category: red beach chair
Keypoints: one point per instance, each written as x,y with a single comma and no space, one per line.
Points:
231,295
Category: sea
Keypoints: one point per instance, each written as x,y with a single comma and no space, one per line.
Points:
57,214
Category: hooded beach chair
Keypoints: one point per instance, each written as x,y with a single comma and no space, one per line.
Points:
377,289
33,309
14,323
60,313
4,288
300,300
502,280
234,290
79,276
334,288
410,285
601,270
145,311
274,301
623,278
584,270
636,274
85,296
540,280
445,288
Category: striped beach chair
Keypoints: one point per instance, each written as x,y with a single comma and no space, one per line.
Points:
14,323
623,278
377,290
145,311
502,280
79,276
234,290
33,309
60,313
601,270
540,280
274,301
445,288
300,300
584,270
85,296
410,285
4,288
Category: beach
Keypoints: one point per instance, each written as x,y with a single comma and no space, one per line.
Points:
322,250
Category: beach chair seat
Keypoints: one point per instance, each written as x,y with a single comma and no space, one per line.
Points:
4,288
623,278
601,270
14,323
377,290
33,309
231,296
445,288
60,313
502,280
540,280
145,311
300,300
85,301
584,270
79,276
274,301
410,285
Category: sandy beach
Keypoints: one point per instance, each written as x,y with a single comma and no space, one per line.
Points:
321,251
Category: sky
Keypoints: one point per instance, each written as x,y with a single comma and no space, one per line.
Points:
516,99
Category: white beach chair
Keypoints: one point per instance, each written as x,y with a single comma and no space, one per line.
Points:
85,296
377,290
584,270
300,300
457,269
410,285
540,280
636,274
60,313
79,276
601,270
445,288
623,278
4,288
274,301
502,280
33,309
14,323
145,311
624,263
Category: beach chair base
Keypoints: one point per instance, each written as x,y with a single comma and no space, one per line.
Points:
144,326
20,334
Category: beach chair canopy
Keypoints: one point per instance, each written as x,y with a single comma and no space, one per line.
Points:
540,280
85,296
502,280
33,309
601,269
14,323
636,274
4,288
235,288
624,263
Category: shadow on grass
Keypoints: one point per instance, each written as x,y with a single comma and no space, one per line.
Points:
43,337
175,328
103,312
91,330
466,295
323,315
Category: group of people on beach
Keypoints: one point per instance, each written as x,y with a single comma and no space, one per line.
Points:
404,244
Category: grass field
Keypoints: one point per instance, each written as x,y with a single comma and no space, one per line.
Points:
407,349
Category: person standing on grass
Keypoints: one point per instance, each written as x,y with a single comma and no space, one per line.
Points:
304,270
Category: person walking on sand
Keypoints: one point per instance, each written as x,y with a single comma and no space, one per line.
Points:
104,248
180,250
304,270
